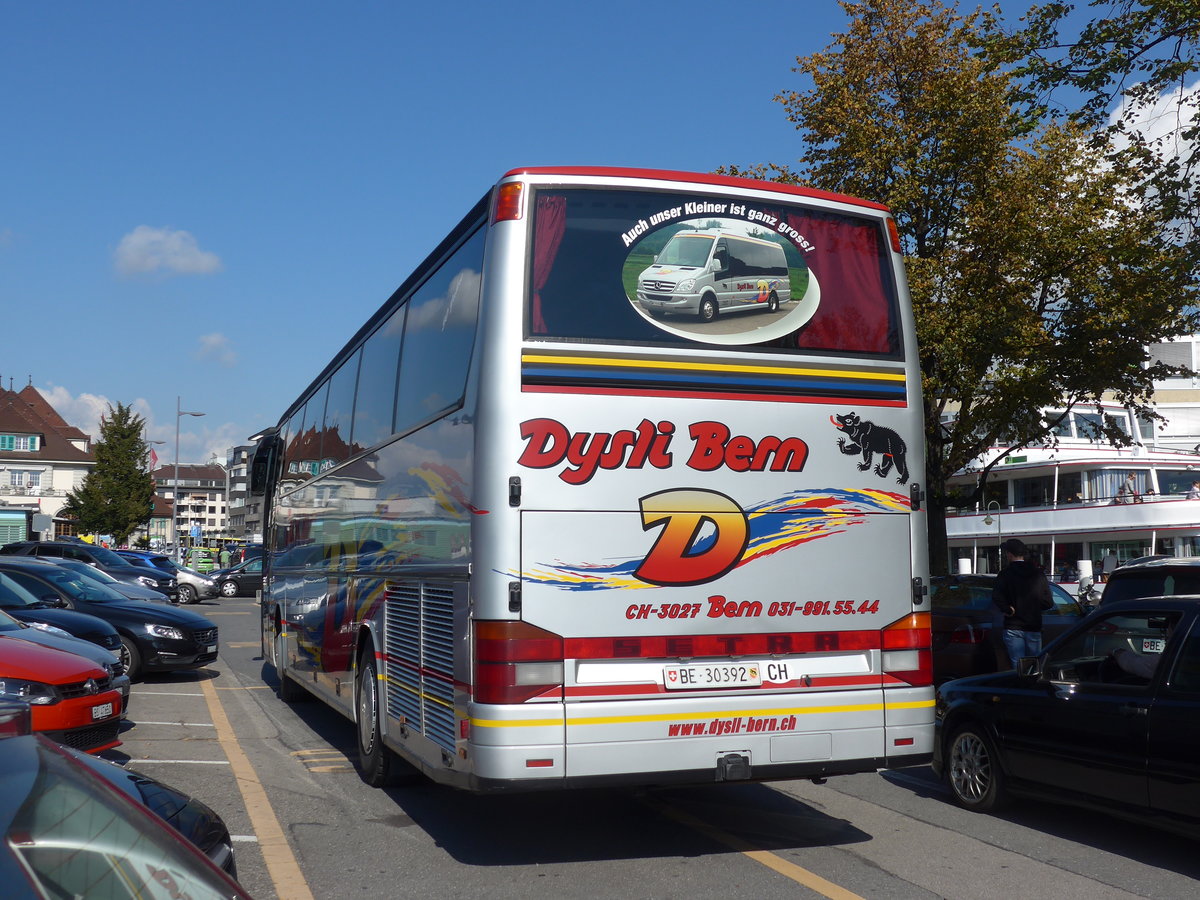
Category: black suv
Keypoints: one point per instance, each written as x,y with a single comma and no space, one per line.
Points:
101,557
1169,576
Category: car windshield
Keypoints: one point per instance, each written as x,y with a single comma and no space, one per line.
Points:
164,563
80,588
685,250
77,837
13,596
1158,583
89,572
139,561
107,557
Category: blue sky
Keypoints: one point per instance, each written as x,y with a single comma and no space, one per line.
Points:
205,200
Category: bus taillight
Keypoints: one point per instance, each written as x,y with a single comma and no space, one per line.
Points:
508,202
515,661
906,650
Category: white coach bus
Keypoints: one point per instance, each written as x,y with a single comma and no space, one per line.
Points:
527,535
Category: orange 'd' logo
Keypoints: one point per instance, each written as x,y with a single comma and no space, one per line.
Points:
680,556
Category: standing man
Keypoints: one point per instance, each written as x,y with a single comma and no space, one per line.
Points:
1021,593
224,557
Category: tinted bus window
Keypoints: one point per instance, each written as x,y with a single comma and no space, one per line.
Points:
375,398
598,276
439,336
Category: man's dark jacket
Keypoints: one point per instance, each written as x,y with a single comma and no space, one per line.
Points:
1022,587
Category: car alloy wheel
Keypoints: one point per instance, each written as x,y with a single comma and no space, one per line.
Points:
974,772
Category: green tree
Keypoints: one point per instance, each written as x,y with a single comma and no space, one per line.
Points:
116,496
1037,271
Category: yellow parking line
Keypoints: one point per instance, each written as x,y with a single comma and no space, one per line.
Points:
281,862
799,874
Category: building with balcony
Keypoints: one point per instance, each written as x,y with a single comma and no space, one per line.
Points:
42,458
198,501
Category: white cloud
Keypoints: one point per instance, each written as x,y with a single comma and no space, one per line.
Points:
84,411
1163,121
215,347
147,249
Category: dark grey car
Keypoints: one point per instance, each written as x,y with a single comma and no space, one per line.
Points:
100,557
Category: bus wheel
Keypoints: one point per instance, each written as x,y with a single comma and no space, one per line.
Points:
374,760
289,690
377,765
708,309
976,779
773,303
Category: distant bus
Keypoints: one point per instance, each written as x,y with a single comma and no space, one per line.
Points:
525,534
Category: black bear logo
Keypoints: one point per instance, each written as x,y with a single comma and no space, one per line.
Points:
868,439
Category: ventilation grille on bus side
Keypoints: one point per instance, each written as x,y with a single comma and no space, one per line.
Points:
420,657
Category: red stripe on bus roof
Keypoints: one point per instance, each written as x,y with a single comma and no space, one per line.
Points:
695,177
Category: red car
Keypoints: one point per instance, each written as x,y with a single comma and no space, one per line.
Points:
72,699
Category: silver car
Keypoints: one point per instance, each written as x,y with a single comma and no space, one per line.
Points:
193,586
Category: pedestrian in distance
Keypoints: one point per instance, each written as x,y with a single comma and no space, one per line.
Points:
224,557
1022,594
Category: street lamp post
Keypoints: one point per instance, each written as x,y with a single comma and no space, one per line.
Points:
150,444
179,413
987,520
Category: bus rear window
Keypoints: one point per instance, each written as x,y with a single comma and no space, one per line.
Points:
648,267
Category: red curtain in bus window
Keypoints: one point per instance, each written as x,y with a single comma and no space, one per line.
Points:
856,309
548,228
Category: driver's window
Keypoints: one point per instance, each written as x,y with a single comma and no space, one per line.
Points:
1116,649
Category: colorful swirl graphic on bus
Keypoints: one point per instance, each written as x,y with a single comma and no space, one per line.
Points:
705,535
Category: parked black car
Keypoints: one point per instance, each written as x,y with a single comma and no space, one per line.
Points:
241,580
112,843
29,607
100,557
1107,718
154,637
968,629
1167,576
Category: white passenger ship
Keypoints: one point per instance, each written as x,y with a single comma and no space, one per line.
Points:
1065,502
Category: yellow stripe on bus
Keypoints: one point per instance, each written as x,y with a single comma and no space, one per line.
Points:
676,716
708,367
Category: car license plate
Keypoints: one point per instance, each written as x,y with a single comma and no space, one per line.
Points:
711,675
212,648
103,711
1154,645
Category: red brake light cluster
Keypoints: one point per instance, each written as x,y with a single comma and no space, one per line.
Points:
515,661
906,650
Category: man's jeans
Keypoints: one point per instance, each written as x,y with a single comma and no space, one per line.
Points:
1022,643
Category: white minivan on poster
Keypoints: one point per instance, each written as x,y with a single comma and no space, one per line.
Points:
701,273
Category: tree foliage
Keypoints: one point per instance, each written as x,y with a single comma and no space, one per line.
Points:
116,497
1039,266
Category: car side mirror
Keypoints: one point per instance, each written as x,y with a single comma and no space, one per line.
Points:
1029,666
54,600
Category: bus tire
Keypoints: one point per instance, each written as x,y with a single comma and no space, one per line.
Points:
773,303
289,690
974,773
375,762
708,309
